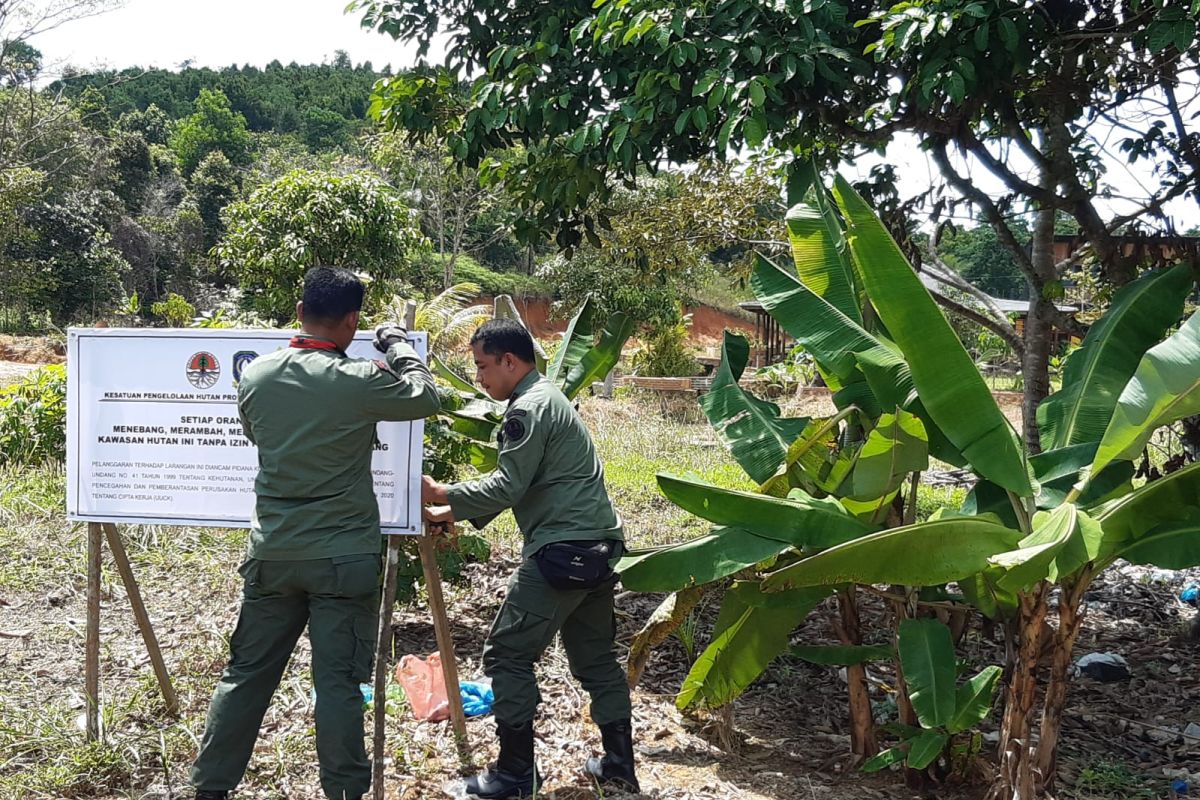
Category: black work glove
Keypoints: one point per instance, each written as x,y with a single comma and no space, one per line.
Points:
388,334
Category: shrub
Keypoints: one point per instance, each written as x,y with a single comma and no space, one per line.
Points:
33,414
666,353
175,311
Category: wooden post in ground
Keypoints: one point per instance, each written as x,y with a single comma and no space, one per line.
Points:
91,662
383,643
445,642
143,619
383,648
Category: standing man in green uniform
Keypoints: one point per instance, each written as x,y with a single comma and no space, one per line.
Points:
313,556
549,475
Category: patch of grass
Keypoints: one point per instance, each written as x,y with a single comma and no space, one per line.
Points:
931,498
1112,780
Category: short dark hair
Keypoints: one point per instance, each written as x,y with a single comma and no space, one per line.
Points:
500,336
330,293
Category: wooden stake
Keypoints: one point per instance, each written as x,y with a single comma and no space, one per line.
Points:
383,643
383,651
143,619
91,663
445,642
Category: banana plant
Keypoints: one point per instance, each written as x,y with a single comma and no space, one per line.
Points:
1033,522
944,709
588,352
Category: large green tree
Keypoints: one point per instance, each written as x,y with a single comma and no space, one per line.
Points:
213,126
596,90
308,218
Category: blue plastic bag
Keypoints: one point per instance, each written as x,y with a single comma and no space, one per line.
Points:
477,698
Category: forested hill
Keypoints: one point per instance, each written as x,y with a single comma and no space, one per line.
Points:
285,99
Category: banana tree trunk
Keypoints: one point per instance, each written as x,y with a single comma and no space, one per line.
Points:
1016,778
862,725
1055,700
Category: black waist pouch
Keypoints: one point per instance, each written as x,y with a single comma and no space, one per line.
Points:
575,565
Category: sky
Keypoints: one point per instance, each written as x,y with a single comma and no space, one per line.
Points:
218,33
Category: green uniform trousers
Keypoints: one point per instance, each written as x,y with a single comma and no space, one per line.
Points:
338,598
532,613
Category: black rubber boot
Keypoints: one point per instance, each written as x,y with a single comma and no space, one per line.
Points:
208,794
513,774
615,769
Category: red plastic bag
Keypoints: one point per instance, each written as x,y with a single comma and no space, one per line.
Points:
424,686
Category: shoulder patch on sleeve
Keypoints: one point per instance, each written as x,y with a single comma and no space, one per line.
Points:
386,367
514,430
516,412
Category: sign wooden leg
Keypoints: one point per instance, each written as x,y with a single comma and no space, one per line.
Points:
383,650
441,628
143,619
91,663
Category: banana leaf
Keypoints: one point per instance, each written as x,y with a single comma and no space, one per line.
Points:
927,658
1165,388
814,462
946,378
451,377
827,334
925,748
481,429
800,521
1031,561
819,251
750,428
896,446
891,383
576,341
704,559
1153,523
742,650
926,554
600,359
1139,317
842,655
973,700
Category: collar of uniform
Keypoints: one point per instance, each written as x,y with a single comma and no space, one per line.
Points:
306,341
525,384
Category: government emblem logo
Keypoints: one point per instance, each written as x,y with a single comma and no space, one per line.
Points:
203,370
241,360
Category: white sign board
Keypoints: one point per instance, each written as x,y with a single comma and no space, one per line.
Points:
153,433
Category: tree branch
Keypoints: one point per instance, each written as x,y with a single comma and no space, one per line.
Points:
1004,331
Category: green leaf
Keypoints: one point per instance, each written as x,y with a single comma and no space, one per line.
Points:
884,759
927,554
755,129
819,251
829,335
450,376
801,521
750,428
477,428
950,386
1140,315
576,341
927,658
841,655
740,653
973,700
896,446
600,359
1165,388
1156,524
702,560
758,95
926,748
1030,563
681,122
482,457
1008,32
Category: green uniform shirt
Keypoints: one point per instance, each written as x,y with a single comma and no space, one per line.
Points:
312,413
548,473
